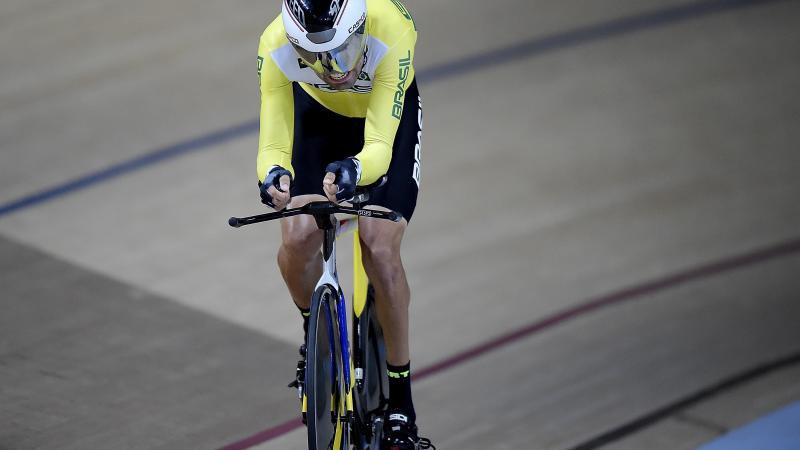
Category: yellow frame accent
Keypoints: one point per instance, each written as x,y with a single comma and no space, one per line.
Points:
360,281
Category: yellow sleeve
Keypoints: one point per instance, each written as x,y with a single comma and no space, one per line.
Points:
393,75
276,131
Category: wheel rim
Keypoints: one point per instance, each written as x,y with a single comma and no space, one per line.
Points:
340,440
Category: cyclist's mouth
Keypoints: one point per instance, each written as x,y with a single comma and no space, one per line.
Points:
338,79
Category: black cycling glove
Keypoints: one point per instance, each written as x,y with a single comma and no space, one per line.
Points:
273,179
348,172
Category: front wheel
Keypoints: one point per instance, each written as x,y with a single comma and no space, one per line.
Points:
324,379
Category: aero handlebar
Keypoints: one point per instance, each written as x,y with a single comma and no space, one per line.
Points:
317,209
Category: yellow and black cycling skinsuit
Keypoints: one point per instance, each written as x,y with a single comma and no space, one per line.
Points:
305,125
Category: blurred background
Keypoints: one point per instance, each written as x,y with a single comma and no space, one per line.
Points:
605,251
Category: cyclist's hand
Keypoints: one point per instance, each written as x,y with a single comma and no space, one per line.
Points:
340,179
275,189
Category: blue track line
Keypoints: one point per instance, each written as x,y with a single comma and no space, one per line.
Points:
585,35
462,66
132,165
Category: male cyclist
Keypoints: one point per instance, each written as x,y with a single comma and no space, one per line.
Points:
339,109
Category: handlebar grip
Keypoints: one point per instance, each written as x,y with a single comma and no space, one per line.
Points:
234,222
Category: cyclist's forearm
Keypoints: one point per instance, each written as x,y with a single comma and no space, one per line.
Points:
374,158
267,158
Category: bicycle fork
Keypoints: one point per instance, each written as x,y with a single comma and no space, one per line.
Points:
329,226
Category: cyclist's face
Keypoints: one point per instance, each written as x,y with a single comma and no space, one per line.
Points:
339,68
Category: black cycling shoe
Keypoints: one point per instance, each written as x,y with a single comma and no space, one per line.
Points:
400,434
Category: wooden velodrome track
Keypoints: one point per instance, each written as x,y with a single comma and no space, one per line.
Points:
606,249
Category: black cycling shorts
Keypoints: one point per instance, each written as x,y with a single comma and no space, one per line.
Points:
322,137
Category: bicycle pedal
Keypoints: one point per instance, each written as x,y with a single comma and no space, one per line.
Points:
300,375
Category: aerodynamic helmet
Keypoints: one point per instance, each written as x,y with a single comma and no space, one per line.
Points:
329,35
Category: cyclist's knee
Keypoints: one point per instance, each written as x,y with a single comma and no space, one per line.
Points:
381,249
300,236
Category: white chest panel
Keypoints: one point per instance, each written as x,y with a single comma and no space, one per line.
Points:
295,70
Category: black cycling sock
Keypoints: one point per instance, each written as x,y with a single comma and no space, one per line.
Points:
400,390
306,315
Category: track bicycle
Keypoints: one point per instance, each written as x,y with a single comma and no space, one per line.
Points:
343,390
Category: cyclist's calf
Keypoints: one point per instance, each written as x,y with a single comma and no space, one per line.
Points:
380,242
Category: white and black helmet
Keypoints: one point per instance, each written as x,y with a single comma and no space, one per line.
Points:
327,34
